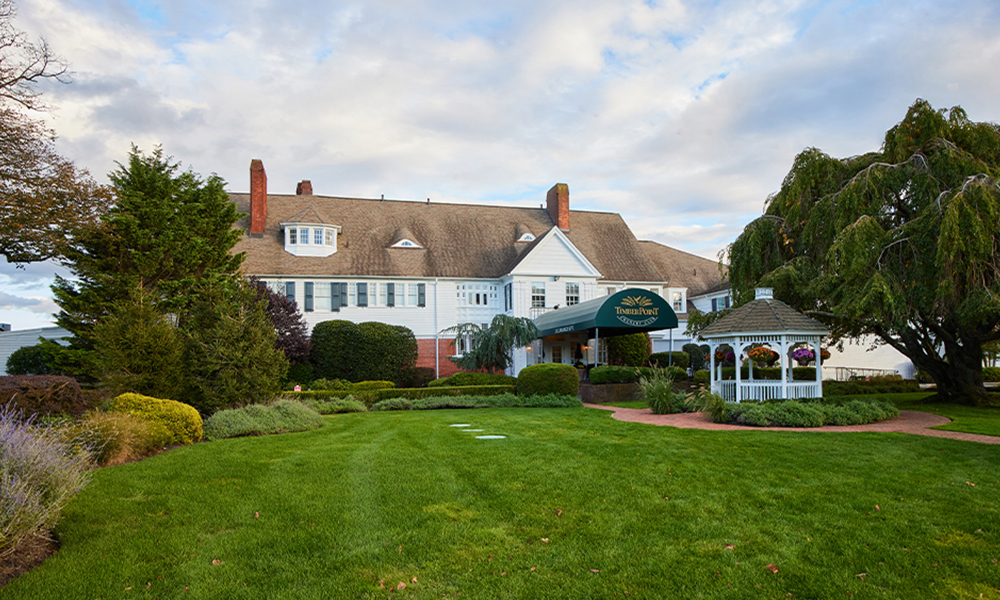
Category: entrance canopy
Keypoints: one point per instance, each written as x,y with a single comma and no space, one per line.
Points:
628,311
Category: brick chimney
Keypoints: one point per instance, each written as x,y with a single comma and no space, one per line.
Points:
258,198
304,188
557,203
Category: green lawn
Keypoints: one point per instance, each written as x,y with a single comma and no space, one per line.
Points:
571,505
963,418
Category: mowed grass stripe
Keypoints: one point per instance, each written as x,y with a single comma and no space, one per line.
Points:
392,496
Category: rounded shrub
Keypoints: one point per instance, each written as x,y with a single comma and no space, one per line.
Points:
181,420
548,378
702,377
367,386
114,437
31,360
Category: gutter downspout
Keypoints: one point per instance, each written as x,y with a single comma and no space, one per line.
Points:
437,343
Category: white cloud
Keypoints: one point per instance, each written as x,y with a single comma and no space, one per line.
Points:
682,116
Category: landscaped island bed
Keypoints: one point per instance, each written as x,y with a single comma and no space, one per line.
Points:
571,504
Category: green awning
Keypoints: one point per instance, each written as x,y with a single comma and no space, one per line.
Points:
628,311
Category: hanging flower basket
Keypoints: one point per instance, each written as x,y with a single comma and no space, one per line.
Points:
803,356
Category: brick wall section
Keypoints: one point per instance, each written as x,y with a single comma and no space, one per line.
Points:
425,356
258,197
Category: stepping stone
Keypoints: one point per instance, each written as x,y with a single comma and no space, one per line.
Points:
491,437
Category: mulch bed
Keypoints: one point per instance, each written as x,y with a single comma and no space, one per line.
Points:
31,554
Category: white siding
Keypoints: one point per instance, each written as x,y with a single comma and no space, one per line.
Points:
13,340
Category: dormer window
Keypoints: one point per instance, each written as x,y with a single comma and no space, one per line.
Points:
527,237
310,239
406,243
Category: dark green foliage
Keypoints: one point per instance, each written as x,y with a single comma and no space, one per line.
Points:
615,374
477,379
702,378
166,234
901,244
31,360
366,351
299,374
258,419
438,382
42,394
415,377
331,384
366,386
696,356
230,355
491,348
548,378
680,360
630,350
871,386
392,404
138,350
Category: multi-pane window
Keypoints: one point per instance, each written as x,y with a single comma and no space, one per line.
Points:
303,235
382,292
322,296
422,294
411,296
537,295
572,294
557,354
352,295
677,299
329,237
292,238
318,236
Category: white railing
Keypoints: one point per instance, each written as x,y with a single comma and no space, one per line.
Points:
537,310
848,373
760,391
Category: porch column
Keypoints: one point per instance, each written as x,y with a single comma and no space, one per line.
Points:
819,367
784,366
738,350
716,389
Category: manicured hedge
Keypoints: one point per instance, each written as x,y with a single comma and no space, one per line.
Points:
371,397
475,379
872,386
548,378
628,350
507,400
991,373
615,374
664,359
43,394
181,420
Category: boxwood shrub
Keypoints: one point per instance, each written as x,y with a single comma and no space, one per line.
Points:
548,378
702,378
991,373
870,386
181,420
480,379
794,413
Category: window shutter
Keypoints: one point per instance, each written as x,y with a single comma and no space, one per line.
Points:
421,294
343,293
335,297
290,290
308,300
390,298
362,294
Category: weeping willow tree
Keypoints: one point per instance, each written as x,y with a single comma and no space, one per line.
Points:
901,244
492,348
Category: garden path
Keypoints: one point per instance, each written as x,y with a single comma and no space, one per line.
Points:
908,421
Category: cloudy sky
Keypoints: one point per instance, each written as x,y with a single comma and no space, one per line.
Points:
681,116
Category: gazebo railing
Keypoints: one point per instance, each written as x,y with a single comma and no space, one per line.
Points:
760,391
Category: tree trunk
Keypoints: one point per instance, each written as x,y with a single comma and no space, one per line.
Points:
960,379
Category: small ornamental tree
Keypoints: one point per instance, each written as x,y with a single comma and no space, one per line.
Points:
492,348
901,244
289,324
629,350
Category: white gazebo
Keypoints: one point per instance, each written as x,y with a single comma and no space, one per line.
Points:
765,321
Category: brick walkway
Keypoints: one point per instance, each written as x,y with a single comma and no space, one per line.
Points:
908,421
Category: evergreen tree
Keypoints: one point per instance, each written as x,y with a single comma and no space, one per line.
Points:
167,233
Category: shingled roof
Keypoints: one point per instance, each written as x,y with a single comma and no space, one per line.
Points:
764,315
459,240
681,269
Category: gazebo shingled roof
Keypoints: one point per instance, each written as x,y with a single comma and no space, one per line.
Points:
764,315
